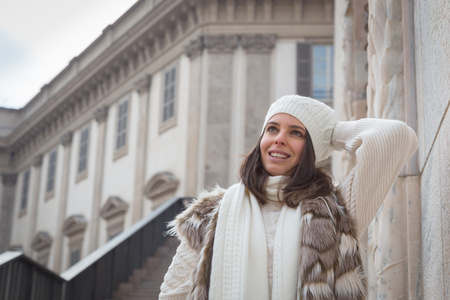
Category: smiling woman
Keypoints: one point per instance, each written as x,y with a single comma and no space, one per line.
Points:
285,231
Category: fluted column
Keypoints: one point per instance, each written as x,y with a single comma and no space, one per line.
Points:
66,142
142,88
9,182
100,116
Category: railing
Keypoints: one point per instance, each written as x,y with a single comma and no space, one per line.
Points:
97,275
21,278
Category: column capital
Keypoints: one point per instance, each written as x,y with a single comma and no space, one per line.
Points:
101,114
143,84
258,43
66,139
37,160
9,179
194,47
221,43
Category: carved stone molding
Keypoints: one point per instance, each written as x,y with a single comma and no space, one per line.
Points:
66,139
101,114
221,43
9,179
143,84
74,224
258,43
37,160
113,206
41,240
161,183
194,48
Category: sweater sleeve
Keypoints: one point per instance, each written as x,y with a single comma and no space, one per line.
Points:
381,147
178,279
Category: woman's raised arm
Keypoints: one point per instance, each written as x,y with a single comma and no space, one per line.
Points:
381,147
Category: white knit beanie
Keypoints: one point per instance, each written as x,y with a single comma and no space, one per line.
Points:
318,118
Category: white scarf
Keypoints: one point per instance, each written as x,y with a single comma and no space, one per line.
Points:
239,264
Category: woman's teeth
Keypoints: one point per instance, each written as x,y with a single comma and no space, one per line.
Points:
278,155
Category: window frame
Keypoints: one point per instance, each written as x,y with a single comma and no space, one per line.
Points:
307,57
83,146
51,173
122,133
169,87
25,191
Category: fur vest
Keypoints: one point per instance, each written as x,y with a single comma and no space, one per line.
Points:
329,252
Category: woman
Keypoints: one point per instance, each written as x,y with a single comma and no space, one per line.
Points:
284,231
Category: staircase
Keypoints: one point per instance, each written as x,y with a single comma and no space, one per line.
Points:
144,284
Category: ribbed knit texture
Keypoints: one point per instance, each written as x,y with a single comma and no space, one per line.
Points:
381,147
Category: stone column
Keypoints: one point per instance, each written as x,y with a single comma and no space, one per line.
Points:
66,142
34,205
100,116
9,182
218,116
194,50
142,88
258,78
388,241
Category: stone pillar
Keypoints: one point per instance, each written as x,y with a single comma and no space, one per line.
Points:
197,60
34,205
258,77
66,142
142,88
100,116
218,116
9,182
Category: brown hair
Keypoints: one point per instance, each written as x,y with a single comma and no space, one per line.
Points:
306,181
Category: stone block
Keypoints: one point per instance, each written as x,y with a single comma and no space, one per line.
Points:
432,247
444,144
432,64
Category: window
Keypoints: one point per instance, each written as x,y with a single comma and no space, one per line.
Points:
322,72
169,95
51,172
74,256
83,155
25,186
315,71
122,124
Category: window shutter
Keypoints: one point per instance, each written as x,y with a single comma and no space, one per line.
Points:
304,69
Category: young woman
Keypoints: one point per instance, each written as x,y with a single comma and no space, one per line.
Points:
284,231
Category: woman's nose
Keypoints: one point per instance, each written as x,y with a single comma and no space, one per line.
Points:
280,139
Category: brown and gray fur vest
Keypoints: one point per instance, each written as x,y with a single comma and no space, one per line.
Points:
330,264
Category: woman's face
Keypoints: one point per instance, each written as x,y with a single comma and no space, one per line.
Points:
282,144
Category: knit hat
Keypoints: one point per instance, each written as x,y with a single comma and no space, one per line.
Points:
318,118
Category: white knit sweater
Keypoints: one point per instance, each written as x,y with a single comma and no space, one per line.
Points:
381,148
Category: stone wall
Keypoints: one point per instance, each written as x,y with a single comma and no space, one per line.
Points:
432,60
407,79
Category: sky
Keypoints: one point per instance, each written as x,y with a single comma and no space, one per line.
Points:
38,39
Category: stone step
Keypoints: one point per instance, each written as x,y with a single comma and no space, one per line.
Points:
145,283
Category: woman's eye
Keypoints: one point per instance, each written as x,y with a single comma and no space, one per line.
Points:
271,129
297,133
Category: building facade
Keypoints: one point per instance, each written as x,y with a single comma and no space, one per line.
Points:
164,103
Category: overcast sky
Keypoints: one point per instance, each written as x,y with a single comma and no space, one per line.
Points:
38,38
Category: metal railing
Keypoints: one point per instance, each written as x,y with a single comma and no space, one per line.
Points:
97,275
23,278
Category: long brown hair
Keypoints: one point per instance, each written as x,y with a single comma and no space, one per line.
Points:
306,182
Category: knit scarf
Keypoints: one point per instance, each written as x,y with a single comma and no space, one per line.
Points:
239,263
